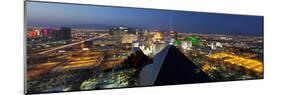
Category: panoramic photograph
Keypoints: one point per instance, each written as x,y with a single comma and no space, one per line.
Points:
79,47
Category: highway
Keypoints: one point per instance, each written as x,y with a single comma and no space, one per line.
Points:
69,45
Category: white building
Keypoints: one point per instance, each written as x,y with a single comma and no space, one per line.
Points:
186,45
215,45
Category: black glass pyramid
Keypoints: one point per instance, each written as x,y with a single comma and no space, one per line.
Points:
170,66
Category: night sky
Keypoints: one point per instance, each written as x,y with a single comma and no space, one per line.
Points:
86,16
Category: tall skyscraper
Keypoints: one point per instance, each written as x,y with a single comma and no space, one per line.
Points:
65,33
55,34
117,33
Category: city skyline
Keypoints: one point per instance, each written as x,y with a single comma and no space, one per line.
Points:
81,16
73,47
